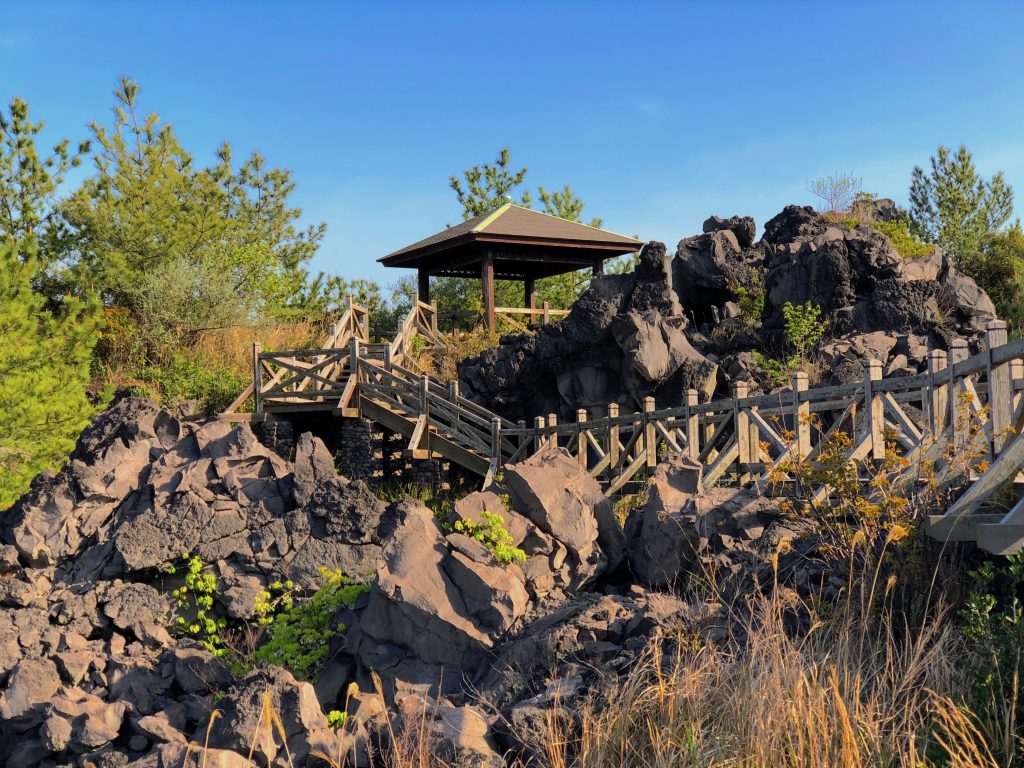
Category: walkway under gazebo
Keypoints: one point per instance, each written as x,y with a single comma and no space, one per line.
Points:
509,243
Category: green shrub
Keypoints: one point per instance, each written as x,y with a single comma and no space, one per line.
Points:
776,370
908,246
185,378
992,621
298,633
804,327
751,300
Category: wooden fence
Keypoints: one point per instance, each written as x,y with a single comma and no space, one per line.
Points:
920,420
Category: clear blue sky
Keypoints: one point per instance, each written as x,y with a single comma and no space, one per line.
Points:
658,114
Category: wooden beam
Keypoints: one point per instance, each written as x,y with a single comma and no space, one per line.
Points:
423,292
530,294
1000,391
487,283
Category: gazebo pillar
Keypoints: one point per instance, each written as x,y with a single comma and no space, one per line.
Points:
529,295
423,288
598,268
487,283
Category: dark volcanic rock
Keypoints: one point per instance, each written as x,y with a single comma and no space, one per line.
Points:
795,221
88,668
587,359
743,227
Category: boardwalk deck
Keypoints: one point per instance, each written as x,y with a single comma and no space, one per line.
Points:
958,422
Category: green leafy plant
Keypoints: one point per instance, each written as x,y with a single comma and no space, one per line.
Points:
491,532
776,370
804,328
194,603
298,632
751,301
625,506
992,621
336,719
186,378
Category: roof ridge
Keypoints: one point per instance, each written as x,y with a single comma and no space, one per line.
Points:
491,217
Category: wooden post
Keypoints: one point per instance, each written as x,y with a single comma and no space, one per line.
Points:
650,435
539,441
692,426
257,377
453,395
581,438
353,356
1000,388
387,358
496,443
423,280
487,283
741,423
801,416
938,389
613,438
424,390
552,426
874,412
959,415
597,269
546,314
433,318
529,294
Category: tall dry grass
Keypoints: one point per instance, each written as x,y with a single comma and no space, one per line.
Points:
848,694
232,347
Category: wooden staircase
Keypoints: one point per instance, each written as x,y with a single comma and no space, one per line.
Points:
962,406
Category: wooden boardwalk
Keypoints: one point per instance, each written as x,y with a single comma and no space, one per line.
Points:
954,426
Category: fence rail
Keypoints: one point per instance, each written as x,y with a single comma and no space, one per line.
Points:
748,439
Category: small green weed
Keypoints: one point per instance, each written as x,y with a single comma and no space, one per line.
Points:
194,603
492,533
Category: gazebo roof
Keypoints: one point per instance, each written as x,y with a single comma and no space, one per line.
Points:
521,242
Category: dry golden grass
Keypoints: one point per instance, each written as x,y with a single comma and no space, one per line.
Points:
842,696
846,695
442,361
232,347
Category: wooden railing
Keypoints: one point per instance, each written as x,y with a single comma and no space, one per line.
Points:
746,439
544,314
354,323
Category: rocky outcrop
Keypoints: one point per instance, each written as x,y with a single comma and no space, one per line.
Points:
625,339
677,324
87,662
441,602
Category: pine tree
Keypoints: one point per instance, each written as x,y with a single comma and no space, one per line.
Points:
183,247
29,181
44,369
488,186
954,207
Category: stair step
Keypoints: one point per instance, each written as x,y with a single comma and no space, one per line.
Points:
958,527
1001,539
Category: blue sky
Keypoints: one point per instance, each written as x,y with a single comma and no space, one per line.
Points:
658,114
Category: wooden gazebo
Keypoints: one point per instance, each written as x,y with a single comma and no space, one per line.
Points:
509,243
